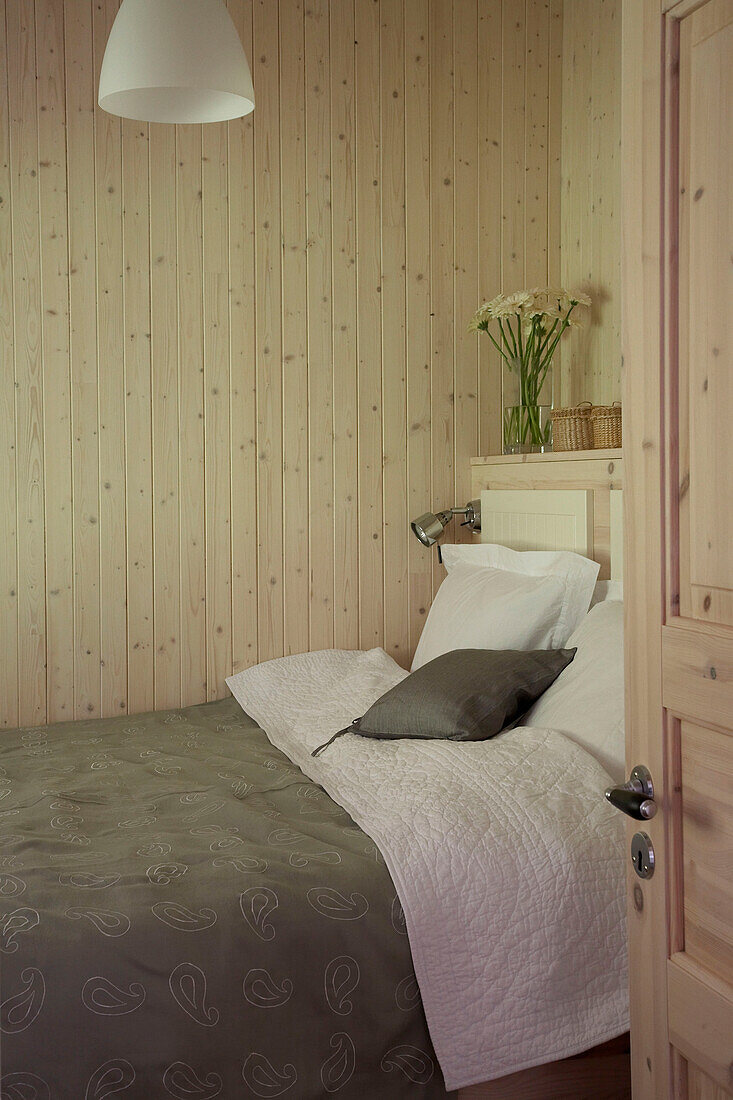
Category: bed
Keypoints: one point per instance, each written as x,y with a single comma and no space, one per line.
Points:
192,907
171,885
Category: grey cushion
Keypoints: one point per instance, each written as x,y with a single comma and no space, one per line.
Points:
464,695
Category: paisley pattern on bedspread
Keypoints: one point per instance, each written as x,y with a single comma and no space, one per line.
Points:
184,914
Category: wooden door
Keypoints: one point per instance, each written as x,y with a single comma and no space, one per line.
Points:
678,439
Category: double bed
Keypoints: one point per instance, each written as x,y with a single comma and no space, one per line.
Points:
187,914
193,905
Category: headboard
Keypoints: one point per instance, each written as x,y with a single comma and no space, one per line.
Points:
560,501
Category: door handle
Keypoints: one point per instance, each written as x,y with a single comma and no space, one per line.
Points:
635,798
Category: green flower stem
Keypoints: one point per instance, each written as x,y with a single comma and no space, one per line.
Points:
512,351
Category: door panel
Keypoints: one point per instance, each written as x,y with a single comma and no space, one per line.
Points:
701,1087
707,844
678,356
706,316
697,648
698,671
700,1018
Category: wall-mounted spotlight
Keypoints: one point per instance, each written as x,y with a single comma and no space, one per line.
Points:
429,527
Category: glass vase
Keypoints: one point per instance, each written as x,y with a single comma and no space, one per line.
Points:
527,429
526,422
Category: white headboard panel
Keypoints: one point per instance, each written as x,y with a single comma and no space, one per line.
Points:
565,499
539,519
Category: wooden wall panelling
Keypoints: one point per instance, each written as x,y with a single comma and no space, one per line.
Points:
490,123
554,159
514,59
243,380
215,224
31,643
83,355
394,412
277,375
320,323
268,328
138,414
343,271
536,134
368,326
575,217
296,580
417,300
605,234
111,380
193,638
442,251
8,531
591,195
59,594
466,279
164,328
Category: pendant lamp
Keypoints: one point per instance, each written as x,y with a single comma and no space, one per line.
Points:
175,61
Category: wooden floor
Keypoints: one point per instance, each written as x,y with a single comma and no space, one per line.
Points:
602,1073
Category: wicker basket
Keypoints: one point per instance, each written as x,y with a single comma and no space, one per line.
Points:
571,428
606,421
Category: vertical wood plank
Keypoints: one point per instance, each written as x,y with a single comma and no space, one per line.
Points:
368,326
417,304
536,171
320,335
83,354
191,415
111,372
164,328
591,194
466,282
138,418
31,644
216,409
442,251
512,200
603,371
243,391
296,579
490,121
268,328
577,37
554,161
8,530
55,352
394,414
343,268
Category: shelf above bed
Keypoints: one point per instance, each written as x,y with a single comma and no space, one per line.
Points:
612,455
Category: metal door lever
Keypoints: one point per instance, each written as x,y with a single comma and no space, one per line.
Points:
635,798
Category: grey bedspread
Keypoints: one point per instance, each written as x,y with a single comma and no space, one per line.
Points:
184,914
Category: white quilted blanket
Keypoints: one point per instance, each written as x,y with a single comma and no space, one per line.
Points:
508,862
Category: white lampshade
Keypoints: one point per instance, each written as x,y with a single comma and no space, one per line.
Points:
175,61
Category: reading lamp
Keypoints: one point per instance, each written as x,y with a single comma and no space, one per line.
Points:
430,526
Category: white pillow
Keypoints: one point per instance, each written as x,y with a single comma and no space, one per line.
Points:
607,590
497,598
586,702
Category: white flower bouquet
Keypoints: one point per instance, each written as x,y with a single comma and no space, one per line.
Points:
527,327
